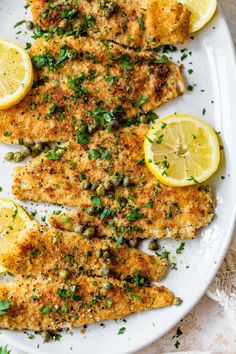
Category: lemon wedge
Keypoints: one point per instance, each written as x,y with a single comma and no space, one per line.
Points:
16,74
181,150
13,219
201,12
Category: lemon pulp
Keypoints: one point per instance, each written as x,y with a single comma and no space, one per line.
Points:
181,150
16,74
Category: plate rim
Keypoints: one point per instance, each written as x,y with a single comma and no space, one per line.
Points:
231,229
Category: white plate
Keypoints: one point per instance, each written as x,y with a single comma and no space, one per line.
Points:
214,72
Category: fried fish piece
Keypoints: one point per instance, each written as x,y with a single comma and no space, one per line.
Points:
135,23
46,251
81,86
39,306
113,189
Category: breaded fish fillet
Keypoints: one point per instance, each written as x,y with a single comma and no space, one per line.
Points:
46,251
113,189
133,23
39,306
81,86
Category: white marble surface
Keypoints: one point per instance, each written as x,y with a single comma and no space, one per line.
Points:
206,327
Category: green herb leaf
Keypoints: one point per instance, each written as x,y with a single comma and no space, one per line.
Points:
180,249
4,350
141,23
122,330
95,200
45,310
19,23
142,100
4,306
56,153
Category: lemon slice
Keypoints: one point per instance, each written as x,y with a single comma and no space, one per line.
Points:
181,150
201,12
13,219
16,74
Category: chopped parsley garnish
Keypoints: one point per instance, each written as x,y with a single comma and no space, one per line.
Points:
106,213
111,80
56,153
159,139
19,23
169,213
4,350
194,180
190,87
180,249
46,59
141,23
86,22
150,204
142,100
122,330
134,215
4,306
165,254
45,310
95,200
82,135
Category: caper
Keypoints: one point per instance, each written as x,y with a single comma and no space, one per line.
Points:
91,211
63,24
89,232
98,253
102,3
18,156
92,128
143,118
9,156
105,248
110,9
126,181
46,147
79,229
46,335
107,185
153,245
94,186
29,25
106,255
107,285
115,124
60,152
85,184
115,181
105,271
177,301
36,149
100,190
72,54
63,274
25,150
133,243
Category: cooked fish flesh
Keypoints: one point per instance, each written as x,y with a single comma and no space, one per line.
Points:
113,189
103,85
53,306
47,251
136,23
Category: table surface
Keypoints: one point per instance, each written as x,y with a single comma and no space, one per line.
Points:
206,327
